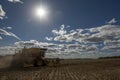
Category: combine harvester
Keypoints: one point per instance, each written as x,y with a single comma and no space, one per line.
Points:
28,57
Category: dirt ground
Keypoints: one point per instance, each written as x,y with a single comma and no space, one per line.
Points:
96,69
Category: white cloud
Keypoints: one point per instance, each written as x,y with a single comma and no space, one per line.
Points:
26,43
91,35
82,47
4,32
83,42
2,12
112,47
106,32
12,34
49,38
113,21
61,35
61,32
56,50
112,42
63,38
0,38
33,43
91,48
7,28
93,39
16,1
74,46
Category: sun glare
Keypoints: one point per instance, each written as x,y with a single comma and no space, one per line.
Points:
40,12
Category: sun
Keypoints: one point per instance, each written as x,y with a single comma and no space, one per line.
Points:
40,12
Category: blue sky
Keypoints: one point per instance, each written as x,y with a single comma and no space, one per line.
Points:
71,14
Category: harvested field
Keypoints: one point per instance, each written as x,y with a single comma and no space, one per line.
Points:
102,69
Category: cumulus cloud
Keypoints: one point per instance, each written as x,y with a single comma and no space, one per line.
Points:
83,42
102,33
16,1
91,35
66,51
63,38
2,12
91,48
61,35
106,36
4,32
82,48
48,38
61,32
74,46
26,43
33,43
112,42
112,47
113,21
56,50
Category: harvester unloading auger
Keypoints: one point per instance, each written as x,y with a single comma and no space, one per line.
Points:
29,57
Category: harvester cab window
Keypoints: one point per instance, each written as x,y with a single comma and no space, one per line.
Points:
42,53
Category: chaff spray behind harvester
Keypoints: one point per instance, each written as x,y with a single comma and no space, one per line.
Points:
29,57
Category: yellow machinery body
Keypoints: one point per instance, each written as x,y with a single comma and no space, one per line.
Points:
29,57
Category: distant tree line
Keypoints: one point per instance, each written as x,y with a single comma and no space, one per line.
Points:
109,57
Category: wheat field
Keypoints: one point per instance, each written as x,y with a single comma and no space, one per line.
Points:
101,69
